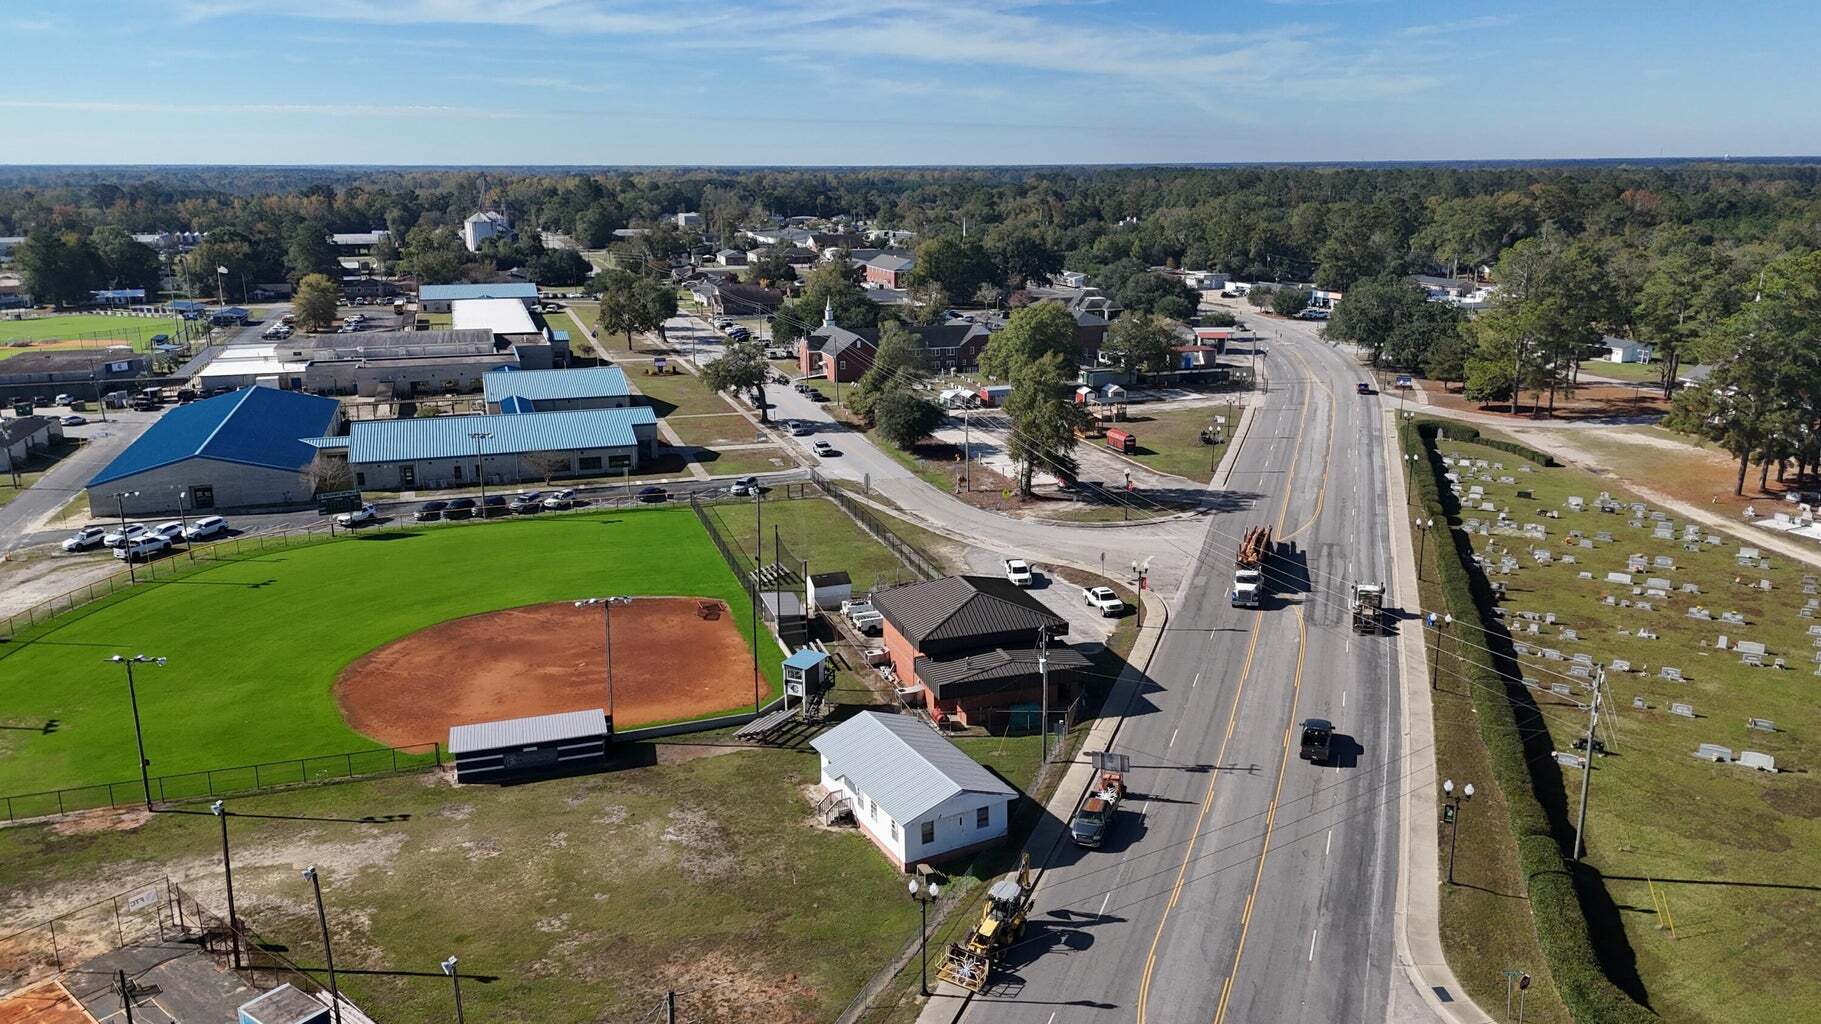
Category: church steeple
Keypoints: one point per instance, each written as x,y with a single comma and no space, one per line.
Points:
828,313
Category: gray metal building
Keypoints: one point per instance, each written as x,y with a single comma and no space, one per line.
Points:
516,748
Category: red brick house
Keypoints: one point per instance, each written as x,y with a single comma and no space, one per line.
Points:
971,643
838,354
890,270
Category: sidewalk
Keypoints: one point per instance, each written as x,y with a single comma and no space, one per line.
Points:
948,1002
1420,964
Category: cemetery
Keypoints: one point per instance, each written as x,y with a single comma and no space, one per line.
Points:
1705,655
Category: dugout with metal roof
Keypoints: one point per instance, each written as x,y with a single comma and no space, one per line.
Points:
514,749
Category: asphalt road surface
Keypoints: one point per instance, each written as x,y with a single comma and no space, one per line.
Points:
1240,882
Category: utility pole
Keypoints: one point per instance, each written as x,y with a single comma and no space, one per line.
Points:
1593,718
322,918
126,994
758,518
1043,674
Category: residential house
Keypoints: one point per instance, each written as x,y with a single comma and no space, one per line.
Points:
731,258
890,270
689,220
13,293
915,794
844,355
730,298
20,437
971,644
1626,350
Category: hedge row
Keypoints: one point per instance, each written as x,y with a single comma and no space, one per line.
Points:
1506,716
1463,432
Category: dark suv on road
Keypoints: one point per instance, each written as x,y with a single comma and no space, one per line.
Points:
430,511
460,508
1318,741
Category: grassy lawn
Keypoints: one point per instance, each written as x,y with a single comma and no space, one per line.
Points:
679,392
1732,849
261,640
35,468
440,321
1169,440
745,460
712,429
816,531
1643,373
82,330
601,892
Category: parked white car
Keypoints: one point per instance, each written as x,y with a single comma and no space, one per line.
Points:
1018,571
560,499
171,531
130,532
207,526
85,538
1103,599
142,548
363,514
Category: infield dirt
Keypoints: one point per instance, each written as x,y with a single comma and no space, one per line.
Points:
669,663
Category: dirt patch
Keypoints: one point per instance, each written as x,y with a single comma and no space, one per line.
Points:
721,986
669,663
1601,401
42,1004
28,580
123,819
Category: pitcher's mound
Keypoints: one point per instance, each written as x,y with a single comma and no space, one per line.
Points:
669,663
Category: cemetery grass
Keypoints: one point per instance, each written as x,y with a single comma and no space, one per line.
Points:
1734,853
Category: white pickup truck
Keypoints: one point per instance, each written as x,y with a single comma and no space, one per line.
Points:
1018,571
1103,599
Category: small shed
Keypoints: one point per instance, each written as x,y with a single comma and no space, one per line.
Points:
514,749
785,610
826,591
285,1005
807,672
995,394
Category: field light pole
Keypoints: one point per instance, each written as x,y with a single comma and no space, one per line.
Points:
455,979
758,513
132,692
183,516
925,893
480,470
219,810
1453,814
322,918
607,604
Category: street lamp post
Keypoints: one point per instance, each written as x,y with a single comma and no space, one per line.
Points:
1435,651
607,604
455,979
1423,526
120,502
183,516
132,692
924,892
219,809
1452,814
322,918
480,471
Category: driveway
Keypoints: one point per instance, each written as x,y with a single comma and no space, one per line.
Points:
26,514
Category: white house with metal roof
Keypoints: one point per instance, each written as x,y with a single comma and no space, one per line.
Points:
594,387
913,793
430,452
436,298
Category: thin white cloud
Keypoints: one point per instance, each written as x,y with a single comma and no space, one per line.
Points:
1442,28
336,109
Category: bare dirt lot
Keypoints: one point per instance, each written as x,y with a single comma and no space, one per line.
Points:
669,663
42,1004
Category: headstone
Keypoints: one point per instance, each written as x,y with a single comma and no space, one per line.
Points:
1603,537
1561,689
1672,674
1568,634
1639,703
1583,659
1584,542
1551,654
1549,618
1575,503
1619,577
1657,583
1755,759
1637,563
1664,562
1750,647
1530,628
1682,710
1715,753
1720,644
1645,606
1761,724
1763,584
1585,575
1647,634
1579,672
1690,588
1698,612
1621,665
1733,618
1754,660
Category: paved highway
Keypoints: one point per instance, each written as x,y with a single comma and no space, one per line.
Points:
1241,883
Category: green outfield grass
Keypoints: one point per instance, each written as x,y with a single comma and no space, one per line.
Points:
255,645
76,328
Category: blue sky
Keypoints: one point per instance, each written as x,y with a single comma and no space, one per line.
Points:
899,81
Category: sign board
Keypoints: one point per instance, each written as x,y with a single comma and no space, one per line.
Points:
793,687
658,363
330,502
1220,420
146,897
1107,761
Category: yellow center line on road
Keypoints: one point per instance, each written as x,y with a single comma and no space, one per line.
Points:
1207,801
1283,764
1321,492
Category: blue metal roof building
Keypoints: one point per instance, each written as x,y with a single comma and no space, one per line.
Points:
443,451
599,387
239,450
435,298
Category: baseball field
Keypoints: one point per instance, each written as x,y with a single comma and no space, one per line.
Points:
255,647
80,330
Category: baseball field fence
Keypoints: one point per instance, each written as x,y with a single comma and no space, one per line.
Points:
143,913
868,521
238,780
